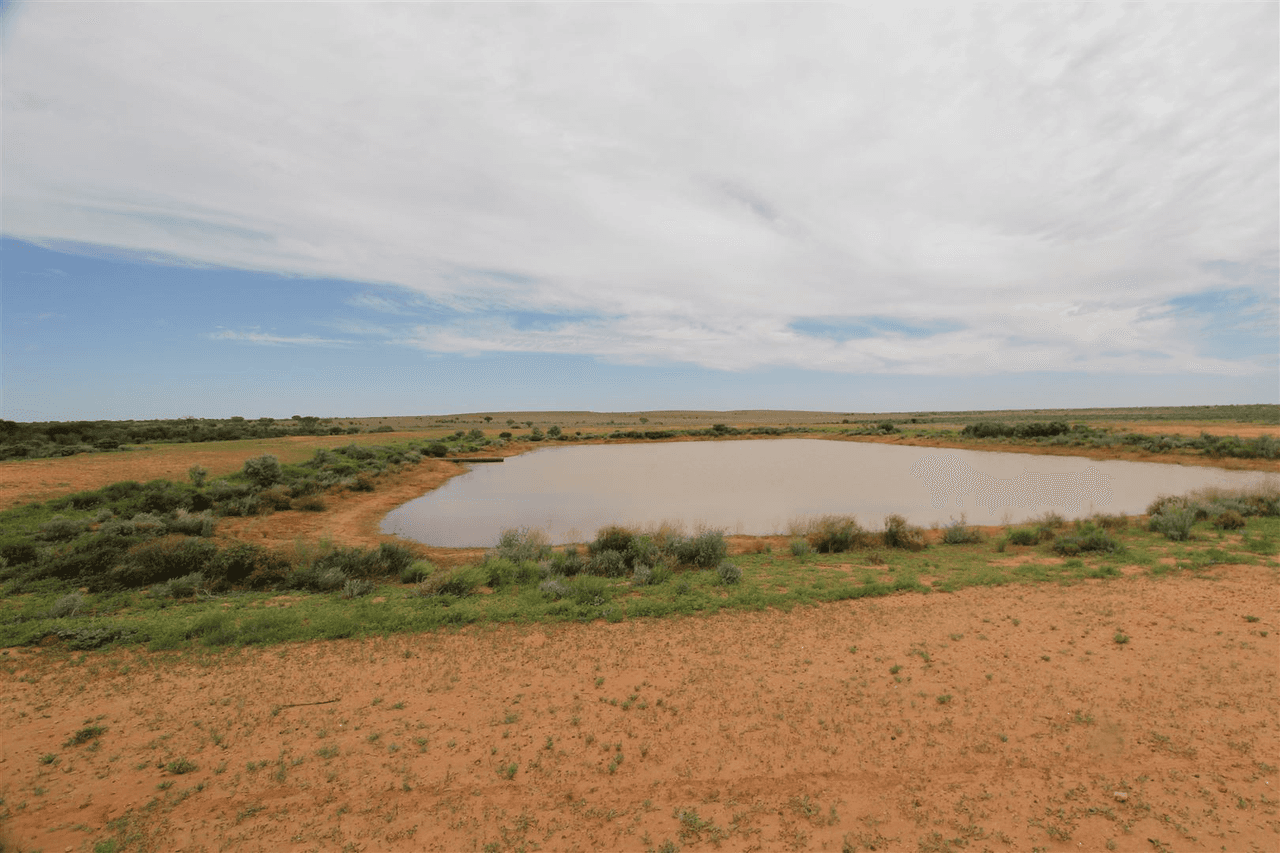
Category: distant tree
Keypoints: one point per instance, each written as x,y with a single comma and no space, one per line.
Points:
488,418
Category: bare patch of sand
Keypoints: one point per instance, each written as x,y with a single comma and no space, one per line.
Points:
1014,721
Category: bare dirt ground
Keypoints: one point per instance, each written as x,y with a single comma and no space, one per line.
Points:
1014,722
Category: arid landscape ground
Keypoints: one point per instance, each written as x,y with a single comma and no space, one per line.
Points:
1131,713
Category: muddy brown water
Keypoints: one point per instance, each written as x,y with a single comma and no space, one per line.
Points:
763,487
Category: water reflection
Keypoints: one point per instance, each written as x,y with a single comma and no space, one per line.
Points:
760,487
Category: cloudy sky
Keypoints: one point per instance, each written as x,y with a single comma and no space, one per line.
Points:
364,209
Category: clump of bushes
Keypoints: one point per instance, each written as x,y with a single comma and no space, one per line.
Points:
958,533
417,571
456,582
832,534
1173,521
1229,520
1086,537
522,545
899,534
729,573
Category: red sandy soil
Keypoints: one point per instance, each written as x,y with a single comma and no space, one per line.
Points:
1016,722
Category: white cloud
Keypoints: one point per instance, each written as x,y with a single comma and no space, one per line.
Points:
254,337
692,179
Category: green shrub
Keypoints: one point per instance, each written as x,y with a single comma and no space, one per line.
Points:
162,559
311,503
957,533
243,564
800,547
417,571
356,587
394,558
899,534
458,582
60,529
1229,520
521,545
611,538
188,524
555,588
183,587
704,550
499,572
833,534
263,471
66,606
568,562
1173,521
1086,538
729,573
608,564
1022,536
197,475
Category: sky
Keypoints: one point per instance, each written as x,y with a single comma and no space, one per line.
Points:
269,209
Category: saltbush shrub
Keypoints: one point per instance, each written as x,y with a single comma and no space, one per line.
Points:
958,533
729,573
1173,521
457,582
832,534
66,606
800,547
356,587
899,534
60,529
1022,536
704,550
1229,520
1086,537
417,571
263,471
521,545
608,564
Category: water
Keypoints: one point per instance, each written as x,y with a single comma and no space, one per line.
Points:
760,487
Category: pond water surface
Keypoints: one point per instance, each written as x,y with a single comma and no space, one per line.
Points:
761,487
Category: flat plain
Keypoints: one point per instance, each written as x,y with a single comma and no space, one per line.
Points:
1132,711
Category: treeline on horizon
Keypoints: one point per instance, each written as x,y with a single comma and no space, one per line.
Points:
67,438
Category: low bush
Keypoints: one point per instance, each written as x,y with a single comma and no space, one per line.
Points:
457,582
61,529
263,471
958,533
356,587
163,559
1022,536
521,545
1229,520
311,503
611,538
899,534
729,573
568,562
1086,537
183,587
703,551
1173,521
831,534
66,606
607,564
417,571
800,547
500,572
